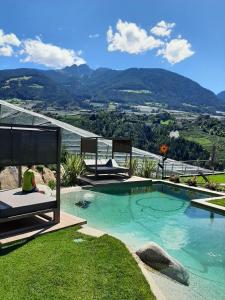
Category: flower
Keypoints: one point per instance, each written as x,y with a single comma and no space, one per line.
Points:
164,149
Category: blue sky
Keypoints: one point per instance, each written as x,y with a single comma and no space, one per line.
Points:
54,33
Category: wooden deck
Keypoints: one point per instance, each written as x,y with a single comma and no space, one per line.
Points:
109,179
27,230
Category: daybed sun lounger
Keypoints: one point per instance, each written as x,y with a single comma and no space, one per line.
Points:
110,167
29,145
14,203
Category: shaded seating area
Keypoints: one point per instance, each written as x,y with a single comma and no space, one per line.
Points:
16,203
106,166
29,145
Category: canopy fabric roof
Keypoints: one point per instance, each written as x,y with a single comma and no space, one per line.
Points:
28,145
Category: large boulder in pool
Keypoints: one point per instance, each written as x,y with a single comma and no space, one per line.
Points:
157,258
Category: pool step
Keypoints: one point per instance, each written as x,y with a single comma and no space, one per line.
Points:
91,231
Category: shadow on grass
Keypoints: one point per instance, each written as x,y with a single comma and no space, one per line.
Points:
5,250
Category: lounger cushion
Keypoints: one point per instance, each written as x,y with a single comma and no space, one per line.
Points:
14,202
109,166
91,162
109,163
112,163
108,170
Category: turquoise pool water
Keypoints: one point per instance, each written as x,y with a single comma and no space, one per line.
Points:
137,214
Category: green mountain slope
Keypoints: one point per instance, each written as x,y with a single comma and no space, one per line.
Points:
131,86
139,85
31,84
221,95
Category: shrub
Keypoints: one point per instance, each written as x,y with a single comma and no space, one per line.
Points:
212,186
192,181
174,178
148,167
74,167
64,154
142,167
134,166
52,184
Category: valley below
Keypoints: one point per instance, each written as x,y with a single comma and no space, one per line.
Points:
151,106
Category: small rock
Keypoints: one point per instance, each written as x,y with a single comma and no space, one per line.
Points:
157,258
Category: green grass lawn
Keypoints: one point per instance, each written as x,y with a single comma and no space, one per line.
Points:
217,178
220,202
53,266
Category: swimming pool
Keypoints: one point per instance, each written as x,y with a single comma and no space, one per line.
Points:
143,212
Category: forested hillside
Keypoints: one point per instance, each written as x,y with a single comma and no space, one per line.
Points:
147,133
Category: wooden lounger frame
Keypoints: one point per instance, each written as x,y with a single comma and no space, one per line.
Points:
48,151
119,145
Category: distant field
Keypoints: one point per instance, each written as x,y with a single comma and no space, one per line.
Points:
167,122
111,106
136,91
206,140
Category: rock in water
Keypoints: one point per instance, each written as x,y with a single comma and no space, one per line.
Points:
157,258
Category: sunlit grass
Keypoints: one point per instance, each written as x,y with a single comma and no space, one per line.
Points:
53,266
220,202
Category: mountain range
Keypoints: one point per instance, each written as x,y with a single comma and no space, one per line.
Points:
131,86
221,95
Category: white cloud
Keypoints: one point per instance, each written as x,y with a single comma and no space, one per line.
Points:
6,51
49,55
6,43
8,39
130,38
163,28
176,50
36,51
94,36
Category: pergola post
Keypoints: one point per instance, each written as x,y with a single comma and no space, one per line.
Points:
19,168
130,169
96,159
58,176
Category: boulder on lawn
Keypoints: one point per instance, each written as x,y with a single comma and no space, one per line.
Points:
48,175
157,258
9,178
